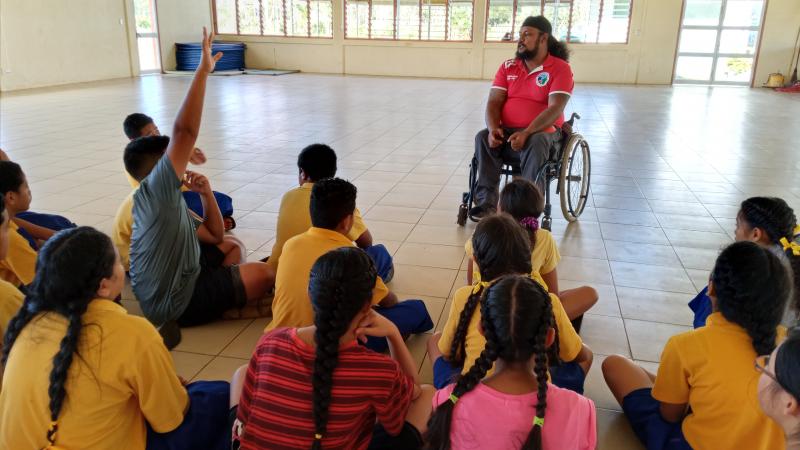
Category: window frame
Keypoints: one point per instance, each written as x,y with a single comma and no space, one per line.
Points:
286,4
569,25
394,25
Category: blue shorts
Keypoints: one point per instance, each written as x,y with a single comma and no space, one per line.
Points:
568,375
643,413
49,221
194,203
701,305
206,424
410,316
383,261
445,372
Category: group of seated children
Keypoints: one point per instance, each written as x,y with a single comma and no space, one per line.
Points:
509,366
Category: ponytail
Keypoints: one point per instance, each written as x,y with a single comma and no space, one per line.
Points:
525,203
557,48
458,350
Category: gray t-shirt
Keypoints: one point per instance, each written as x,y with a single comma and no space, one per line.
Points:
165,253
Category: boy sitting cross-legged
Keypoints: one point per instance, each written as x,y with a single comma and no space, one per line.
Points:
317,162
332,206
176,279
137,125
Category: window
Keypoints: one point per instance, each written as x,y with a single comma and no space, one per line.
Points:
578,21
427,20
302,18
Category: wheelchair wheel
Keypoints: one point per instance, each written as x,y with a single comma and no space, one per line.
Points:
574,177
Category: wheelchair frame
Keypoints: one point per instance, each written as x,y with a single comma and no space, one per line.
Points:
558,165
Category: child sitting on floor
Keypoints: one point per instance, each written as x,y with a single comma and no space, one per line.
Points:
10,296
332,206
779,387
769,222
525,203
316,387
176,280
501,248
516,407
704,396
317,162
232,249
18,267
33,226
137,125
81,373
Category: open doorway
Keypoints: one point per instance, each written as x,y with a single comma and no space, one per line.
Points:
718,41
147,36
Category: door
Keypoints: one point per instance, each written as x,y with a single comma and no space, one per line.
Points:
718,41
147,36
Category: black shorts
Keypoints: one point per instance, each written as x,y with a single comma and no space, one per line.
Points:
408,439
218,289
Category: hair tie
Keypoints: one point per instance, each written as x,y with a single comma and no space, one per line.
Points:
796,231
793,246
51,433
538,421
478,286
453,398
317,437
530,222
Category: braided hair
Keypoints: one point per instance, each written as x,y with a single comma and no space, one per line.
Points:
516,314
69,270
500,247
777,220
340,287
752,286
523,201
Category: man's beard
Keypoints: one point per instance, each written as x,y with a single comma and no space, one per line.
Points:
528,54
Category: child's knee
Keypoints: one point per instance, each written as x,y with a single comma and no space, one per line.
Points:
613,364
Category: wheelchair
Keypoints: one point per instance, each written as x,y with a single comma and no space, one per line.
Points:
569,163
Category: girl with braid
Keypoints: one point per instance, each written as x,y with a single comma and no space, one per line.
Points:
502,247
316,387
771,223
524,202
516,407
80,373
705,395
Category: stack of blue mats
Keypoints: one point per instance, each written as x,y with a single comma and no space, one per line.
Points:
188,55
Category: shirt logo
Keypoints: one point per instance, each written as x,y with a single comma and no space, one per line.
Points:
542,79
511,77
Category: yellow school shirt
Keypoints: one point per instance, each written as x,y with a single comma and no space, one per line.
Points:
19,267
292,306
10,301
569,343
294,218
544,257
711,369
123,228
125,376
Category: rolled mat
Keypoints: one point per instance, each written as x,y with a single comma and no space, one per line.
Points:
188,55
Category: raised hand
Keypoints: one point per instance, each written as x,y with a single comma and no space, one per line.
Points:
198,157
208,62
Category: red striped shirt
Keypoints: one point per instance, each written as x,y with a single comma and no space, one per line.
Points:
276,401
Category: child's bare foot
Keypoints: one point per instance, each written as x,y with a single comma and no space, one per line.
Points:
433,347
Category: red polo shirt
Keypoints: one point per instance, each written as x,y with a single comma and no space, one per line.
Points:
528,92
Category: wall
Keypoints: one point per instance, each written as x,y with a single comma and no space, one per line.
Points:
180,21
648,57
51,42
778,39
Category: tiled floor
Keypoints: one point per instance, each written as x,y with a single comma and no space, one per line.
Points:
669,167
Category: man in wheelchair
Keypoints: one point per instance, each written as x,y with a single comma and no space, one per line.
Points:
525,111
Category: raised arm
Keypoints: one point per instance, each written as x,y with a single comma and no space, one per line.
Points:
187,123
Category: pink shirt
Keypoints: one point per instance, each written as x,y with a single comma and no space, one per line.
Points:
486,418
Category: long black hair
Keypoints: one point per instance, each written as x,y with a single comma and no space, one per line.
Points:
752,286
524,202
787,364
69,269
516,314
777,219
500,246
557,48
340,286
